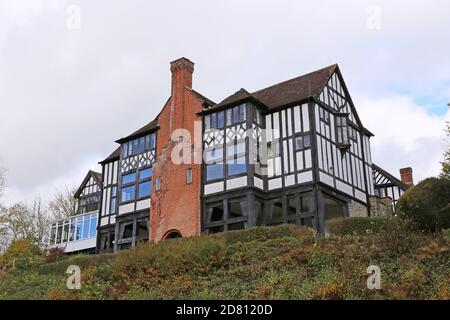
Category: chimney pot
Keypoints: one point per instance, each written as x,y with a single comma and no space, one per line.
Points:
182,70
406,175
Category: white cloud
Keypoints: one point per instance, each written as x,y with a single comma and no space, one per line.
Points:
405,134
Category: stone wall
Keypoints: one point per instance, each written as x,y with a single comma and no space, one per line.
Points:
356,209
381,207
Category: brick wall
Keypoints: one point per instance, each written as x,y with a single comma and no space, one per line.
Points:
177,205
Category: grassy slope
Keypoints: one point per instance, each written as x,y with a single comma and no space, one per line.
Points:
282,262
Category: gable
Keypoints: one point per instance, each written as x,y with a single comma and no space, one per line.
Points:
335,95
92,183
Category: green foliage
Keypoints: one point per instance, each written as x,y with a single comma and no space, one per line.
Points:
282,262
356,225
21,254
427,204
445,172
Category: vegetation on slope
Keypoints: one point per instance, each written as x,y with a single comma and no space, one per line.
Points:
283,262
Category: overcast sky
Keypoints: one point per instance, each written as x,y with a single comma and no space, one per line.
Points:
68,90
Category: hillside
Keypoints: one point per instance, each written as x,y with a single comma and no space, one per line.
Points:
283,262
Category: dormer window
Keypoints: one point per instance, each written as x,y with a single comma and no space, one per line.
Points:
342,130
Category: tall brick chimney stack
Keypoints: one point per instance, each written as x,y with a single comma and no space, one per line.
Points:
406,175
182,70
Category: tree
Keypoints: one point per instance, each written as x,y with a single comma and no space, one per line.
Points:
445,172
20,221
2,180
427,204
63,204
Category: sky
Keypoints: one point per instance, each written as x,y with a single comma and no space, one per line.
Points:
77,75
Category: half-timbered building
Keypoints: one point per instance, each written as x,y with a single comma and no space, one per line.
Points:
295,152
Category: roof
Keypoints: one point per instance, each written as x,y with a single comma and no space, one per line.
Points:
140,132
205,100
98,177
113,156
389,176
301,88
298,89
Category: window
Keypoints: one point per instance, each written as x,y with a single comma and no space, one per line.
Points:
112,208
128,193
277,209
341,130
236,166
65,231
139,145
220,119
79,228
93,227
214,156
236,149
129,178
324,115
86,227
158,184
189,176
145,189
214,171
216,213
214,120
236,114
89,204
72,230
236,209
302,142
229,116
145,173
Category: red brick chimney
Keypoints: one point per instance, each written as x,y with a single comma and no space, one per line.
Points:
406,175
182,70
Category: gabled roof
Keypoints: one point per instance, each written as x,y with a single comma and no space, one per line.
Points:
98,177
301,88
113,156
152,126
207,102
386,176
298,89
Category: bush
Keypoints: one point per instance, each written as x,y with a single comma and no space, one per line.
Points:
427,204
356,225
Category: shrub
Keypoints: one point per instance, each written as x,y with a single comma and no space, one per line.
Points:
427,204
356,225
264,233
54,254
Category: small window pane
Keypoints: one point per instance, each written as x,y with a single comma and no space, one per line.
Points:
229,116
214,155
236,114
128,193
214,120
236,208
207,122
142,145
113,205
299,143
130,148
79,228
86,227
236,149
152,141
135,147
236,166
158,184
189,176
242,116
216,213
124,150
307,141
145,174
277,209
114,192
145,189
129,178
214,171
220,119
92,232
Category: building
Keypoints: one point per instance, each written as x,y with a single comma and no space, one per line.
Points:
295,152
